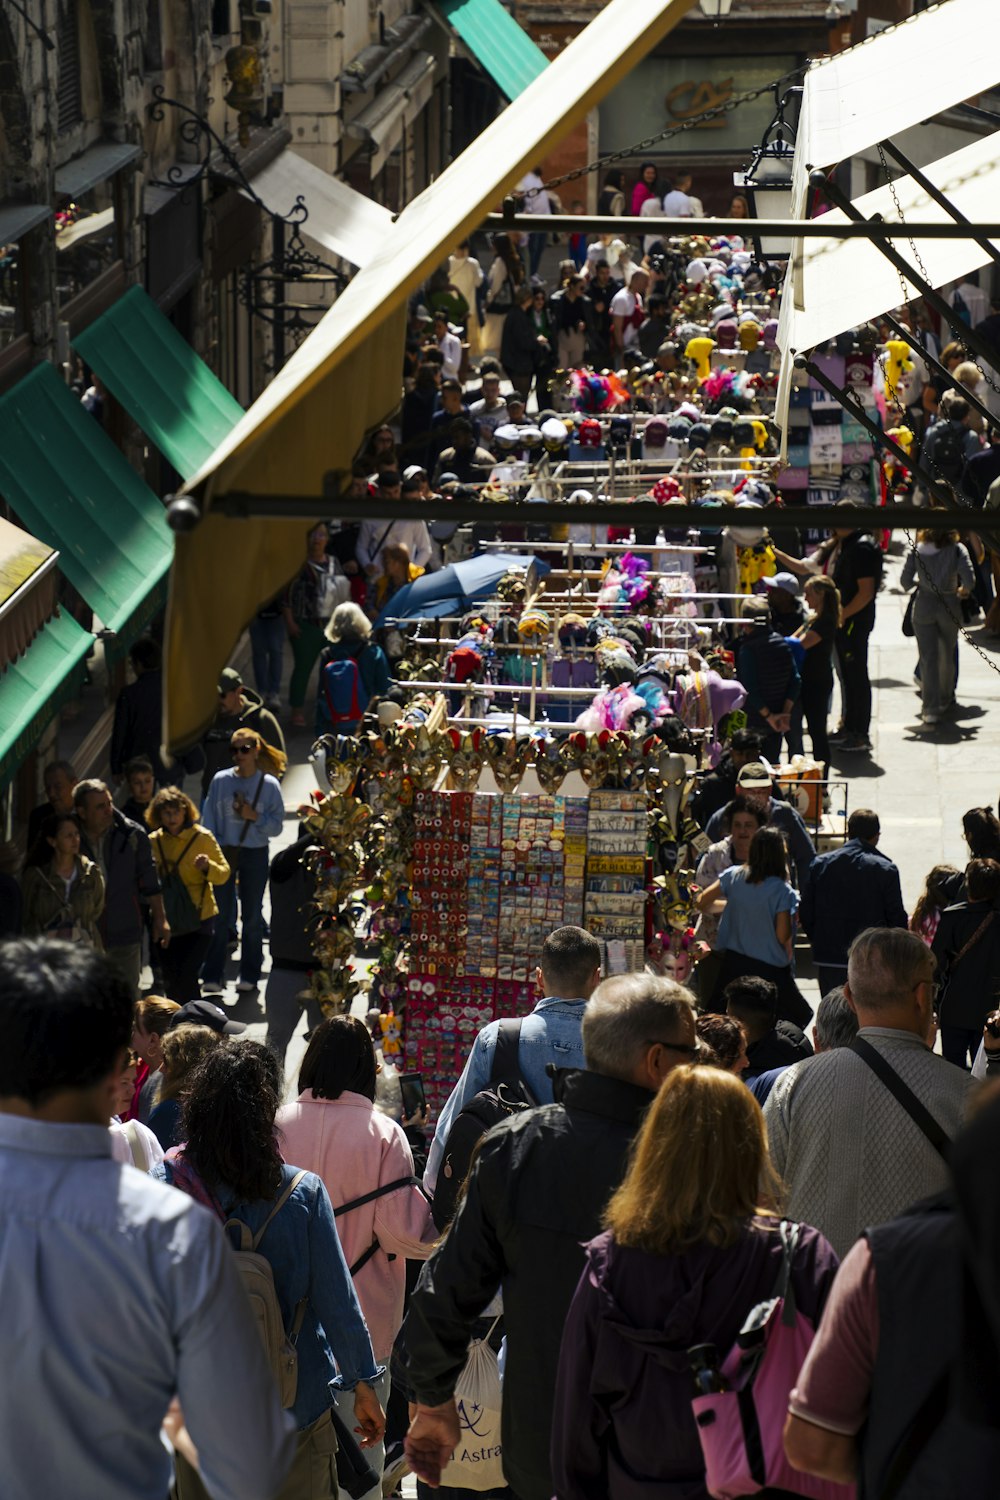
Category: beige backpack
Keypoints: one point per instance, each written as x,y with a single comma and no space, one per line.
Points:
258,1281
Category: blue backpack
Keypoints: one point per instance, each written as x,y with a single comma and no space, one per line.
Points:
340,698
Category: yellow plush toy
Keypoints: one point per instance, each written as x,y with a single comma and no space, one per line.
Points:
700,350
897,363
749,335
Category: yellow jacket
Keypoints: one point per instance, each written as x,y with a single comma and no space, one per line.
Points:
168,850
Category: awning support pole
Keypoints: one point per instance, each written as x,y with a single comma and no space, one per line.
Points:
968,336
935,193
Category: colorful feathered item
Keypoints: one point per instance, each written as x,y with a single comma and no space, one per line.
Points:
597,393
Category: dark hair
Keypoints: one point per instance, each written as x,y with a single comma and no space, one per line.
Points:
934,895
864,824
655,302
958,409
767,856
982,832
388,478
340,1059
144,654
744,805
451,384
569,957
228,1120
139,763
724,1035
65,1016
40,852
615,178
751,999
982,879
746,739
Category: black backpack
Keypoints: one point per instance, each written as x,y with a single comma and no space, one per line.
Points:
507,1095
947,456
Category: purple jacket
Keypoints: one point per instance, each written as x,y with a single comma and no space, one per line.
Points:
623,1428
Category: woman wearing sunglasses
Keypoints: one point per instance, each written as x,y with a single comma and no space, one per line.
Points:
244,811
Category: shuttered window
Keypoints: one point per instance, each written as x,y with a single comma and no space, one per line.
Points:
70,94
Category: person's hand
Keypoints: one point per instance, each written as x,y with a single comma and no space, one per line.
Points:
417,1120
371,571
432,1439
294,630
246,811
161,930
201,863
351,568
991,1040
178,1435
370,1417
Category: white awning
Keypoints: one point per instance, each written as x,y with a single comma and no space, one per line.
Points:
345,377
82,229
340,218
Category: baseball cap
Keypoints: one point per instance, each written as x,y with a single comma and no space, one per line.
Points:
412,470
753,777
786,581
204,1013
229,679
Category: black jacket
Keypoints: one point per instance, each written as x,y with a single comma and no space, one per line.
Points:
293,917
519,346
129,879
846,891
970,987
535,1197
782,1046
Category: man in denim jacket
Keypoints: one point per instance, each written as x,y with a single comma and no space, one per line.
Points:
569,973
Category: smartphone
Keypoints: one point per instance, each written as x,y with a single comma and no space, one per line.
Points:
411,1086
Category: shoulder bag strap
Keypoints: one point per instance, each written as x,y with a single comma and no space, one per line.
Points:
379,1192
506,1057
253,805
289,1190
904,1096
973,940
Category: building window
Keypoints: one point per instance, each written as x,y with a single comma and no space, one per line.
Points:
152,43
222,18
69,90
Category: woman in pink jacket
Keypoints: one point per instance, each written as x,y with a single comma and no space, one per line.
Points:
364,1160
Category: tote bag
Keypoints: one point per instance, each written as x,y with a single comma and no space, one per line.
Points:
477,1462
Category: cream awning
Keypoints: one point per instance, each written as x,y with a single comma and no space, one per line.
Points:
340,218
345,378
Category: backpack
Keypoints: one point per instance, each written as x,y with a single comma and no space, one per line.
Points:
960,306
740,1428
340,692
503,298
258,1282
947,454
507,1095
179,909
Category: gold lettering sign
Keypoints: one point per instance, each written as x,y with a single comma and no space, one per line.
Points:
693,98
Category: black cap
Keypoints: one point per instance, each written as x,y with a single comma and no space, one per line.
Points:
204,1013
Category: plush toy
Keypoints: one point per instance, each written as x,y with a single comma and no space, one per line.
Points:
749,334
897,363
392,1041
700,350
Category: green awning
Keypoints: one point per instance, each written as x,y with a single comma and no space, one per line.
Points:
155,374
35,687
69,485
499,44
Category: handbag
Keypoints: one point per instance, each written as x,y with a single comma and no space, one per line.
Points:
354,1473
477,1462
179,909
741,1428
907,626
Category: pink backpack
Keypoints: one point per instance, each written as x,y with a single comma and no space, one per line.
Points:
740,1429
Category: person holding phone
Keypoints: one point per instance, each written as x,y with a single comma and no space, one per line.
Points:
362,1157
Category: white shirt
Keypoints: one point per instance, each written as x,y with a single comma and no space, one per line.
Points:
652,208
624,305
975,300
677,205
451,348
538,203
379,534
466,275
121,1145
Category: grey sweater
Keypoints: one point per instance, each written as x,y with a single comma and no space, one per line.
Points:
938,568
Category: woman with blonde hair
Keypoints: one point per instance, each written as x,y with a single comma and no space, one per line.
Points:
184,1047
691,1246
352,671
397,571
151,1022
243,811
941,570
818,636
189,863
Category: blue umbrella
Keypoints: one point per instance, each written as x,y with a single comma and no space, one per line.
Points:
455,589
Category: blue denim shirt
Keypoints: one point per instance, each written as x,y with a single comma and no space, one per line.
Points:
304,1251
552,1033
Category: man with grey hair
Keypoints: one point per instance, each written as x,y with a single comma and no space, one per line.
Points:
848,1145
835,1025
534,1197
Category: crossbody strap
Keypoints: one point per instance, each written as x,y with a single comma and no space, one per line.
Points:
506,1068
172,869
904,1095
379,1192
973,940
253,807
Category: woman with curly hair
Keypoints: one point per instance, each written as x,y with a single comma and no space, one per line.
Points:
189,863
231,1163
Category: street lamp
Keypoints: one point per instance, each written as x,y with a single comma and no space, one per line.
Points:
715,10
768,183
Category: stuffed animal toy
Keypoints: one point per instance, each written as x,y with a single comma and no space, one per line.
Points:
700,350
897,363
392,1038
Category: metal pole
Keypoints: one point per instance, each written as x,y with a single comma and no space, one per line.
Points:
935,193
966,335
939,491
814,229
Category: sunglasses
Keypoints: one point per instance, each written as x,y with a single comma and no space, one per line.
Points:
654,1041
244,749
